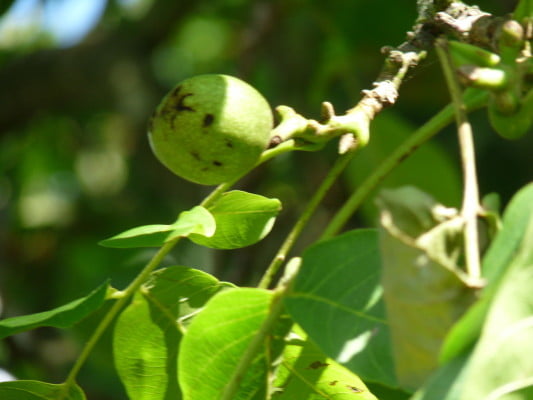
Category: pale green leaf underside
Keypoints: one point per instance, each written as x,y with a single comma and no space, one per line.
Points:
196,221
60,317
425,291
35,390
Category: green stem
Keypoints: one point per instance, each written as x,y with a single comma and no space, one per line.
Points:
472,101
115,309
291,238
470,207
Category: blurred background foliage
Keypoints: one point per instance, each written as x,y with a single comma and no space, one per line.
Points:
80,78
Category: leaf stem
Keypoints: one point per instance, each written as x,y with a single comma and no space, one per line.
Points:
115,309
318,196
470,207
472,100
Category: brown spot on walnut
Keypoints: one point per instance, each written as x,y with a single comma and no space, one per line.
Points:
181,106
195,155
176,91
217,163
208,119
180,102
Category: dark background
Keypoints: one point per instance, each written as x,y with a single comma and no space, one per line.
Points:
75,165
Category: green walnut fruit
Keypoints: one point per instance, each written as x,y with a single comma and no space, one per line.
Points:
211,128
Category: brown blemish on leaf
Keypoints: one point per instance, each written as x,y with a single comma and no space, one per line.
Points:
333,383
354,389
229,144
195,155
317,364
217,163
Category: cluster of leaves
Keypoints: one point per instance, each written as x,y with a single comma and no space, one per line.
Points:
391,308
185,331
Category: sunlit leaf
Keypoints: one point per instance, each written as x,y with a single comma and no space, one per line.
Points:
35,390
306,373
337,301
148,332
241,218
141,236
197,221
60,317
215,342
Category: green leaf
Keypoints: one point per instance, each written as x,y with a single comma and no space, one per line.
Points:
337,300
197,221
141,236
501,364
242,219
306,373
215,342
495,262
425,291
147,334
60,317
35,390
